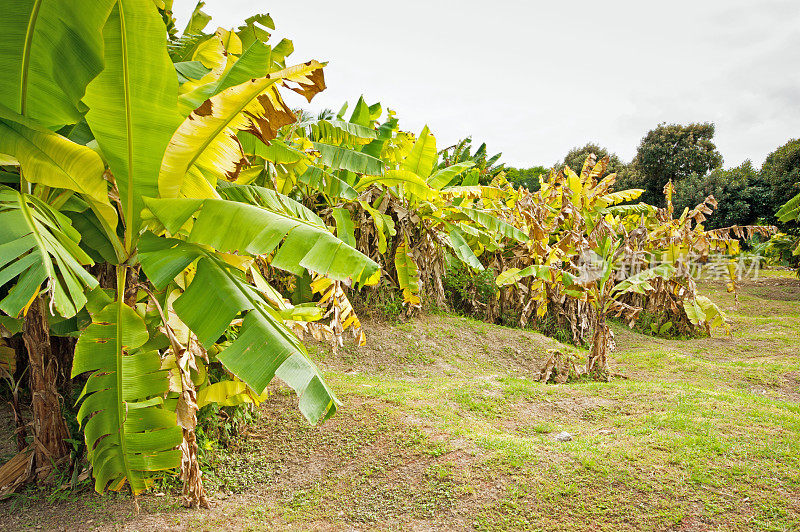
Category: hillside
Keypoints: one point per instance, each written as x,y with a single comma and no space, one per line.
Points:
443,427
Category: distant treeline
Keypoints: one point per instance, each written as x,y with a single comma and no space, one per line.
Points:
687,155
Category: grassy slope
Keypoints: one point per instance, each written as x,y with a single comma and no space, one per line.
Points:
443,427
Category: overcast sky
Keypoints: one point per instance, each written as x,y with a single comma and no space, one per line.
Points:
534,79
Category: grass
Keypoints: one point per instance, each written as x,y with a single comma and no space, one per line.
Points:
447,429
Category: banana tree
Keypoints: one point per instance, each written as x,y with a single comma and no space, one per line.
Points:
428,215
559,218
376,185
600,286
52,50
153,212
596,276
587,249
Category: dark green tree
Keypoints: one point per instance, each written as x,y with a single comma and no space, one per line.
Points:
735,189
673,151
526,177
779,179
576,157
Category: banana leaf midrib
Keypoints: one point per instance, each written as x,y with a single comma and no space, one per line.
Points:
225,122
26,57
121,279
129,231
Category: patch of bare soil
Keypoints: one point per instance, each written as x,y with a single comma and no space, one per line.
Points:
694,522
790,386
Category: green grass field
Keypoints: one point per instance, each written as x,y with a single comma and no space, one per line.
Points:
443,427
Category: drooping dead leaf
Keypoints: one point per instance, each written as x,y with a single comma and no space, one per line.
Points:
559,368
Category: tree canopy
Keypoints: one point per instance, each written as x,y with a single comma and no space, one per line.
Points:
673,151
780,178
526,177
735,189
576,157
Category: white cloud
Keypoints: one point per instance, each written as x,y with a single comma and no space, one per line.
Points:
534,79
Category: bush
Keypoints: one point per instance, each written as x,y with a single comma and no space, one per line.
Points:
383,302
469,292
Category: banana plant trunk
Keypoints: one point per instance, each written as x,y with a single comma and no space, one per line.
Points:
194,494
597,361
49,428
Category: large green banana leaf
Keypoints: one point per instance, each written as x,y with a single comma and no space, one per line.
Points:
407,273
445,176
198,21
229,226
640,282
184,48
364,114
327,183
340,132
190,70
345,229
264,348
270,200
254,63
132,104
790,211
343,158
255,28
49,51
37,244
277,151
493,224
422,158
384,133
94,240
413,184
207,138
55,161
462,249
384,225
128,433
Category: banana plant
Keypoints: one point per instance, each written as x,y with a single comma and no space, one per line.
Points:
358,167
597,285
582,248
430,216
592,278
52,51
153,208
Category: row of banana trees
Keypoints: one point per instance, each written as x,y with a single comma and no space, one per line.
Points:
164,206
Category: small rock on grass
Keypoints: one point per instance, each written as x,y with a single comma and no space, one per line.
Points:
563,436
